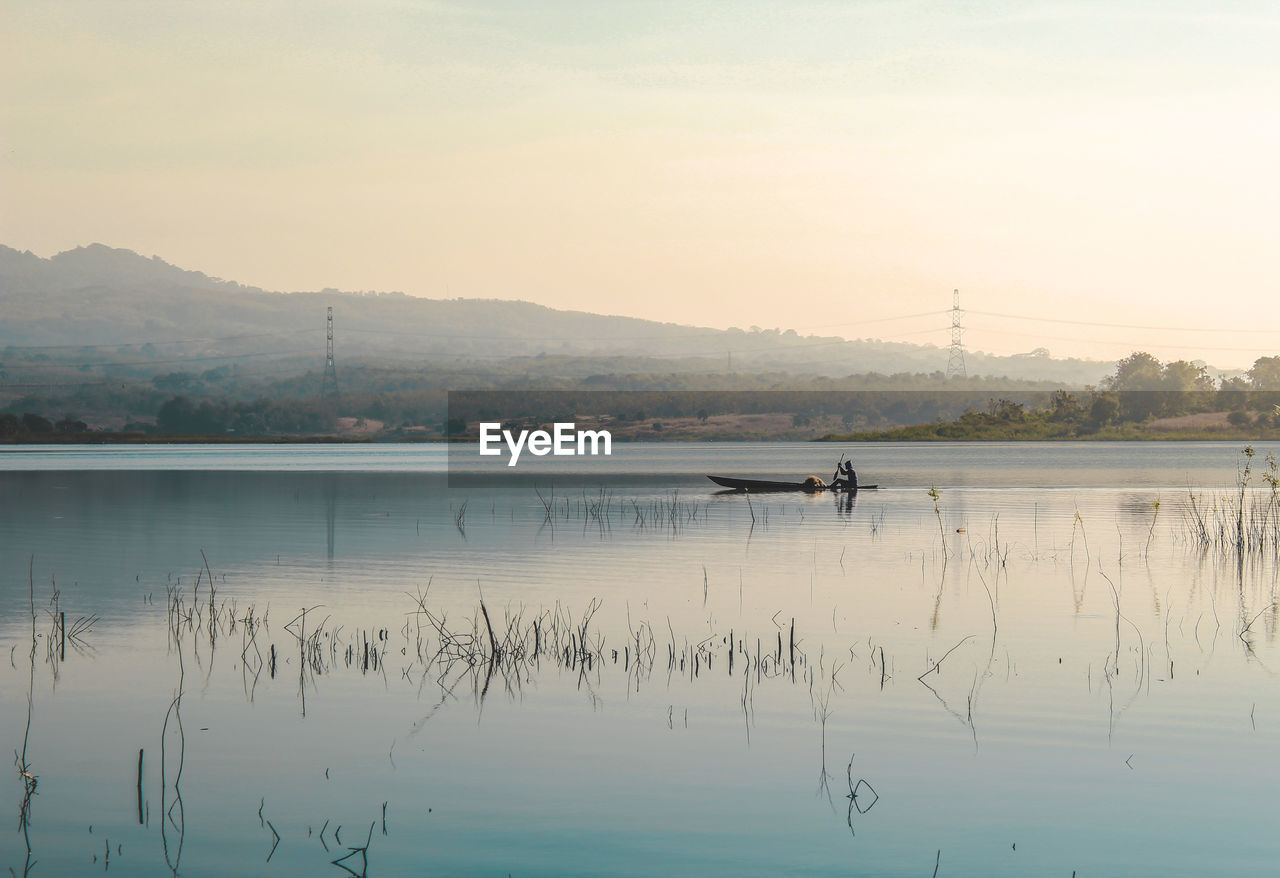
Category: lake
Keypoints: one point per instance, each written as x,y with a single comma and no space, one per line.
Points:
1011,659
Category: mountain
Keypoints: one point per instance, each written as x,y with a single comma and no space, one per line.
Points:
99,265
96,306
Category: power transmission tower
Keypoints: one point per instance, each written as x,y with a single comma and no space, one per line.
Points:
329,384
955,362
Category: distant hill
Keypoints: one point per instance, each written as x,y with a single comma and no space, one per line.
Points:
96,305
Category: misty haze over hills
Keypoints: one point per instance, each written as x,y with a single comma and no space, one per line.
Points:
95,305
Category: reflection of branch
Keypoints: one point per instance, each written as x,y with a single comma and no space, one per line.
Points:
856,789
167,817
61,634
995,625
364,857
822,712
1114,670
963,721
309,650
966,719
29,780
275,844
1246,628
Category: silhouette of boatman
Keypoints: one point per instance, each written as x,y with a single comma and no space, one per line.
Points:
845,478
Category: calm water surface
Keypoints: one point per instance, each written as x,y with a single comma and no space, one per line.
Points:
1041,673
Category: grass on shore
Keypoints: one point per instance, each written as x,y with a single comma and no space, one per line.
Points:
1036,431
106,437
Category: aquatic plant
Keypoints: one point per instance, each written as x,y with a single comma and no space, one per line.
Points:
935,497
1244,521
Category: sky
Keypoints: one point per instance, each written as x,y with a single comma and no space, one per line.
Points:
832,167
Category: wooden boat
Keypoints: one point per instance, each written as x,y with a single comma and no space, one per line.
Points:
764,486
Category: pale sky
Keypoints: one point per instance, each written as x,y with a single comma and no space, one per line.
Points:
805,165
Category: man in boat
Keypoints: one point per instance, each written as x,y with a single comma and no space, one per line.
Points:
845,478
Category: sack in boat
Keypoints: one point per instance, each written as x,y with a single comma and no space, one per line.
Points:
813,483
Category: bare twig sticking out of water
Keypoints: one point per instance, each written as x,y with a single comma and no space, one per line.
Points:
1151,532
63,633
1111,668
1078,522
141,819
875,524
598,509
937,511
1115,596
995,625
934,668
601,510
494,650
213,619
670,513
992,555
548,504
213,629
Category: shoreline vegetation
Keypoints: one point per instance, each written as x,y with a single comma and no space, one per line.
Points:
111,437
1144,399
1123,433
1040,426
971,427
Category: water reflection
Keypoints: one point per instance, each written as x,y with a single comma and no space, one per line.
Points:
504,668
862,796
28,779
173,753
330,513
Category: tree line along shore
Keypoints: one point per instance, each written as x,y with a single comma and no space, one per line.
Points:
1143,399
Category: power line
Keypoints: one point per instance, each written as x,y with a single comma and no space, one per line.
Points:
782,349
877,320
1129,344
1121,325
714,333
